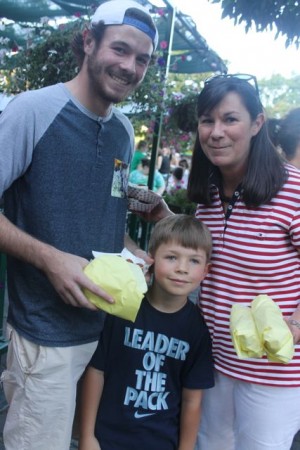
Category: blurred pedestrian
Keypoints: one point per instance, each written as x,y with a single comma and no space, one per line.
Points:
285,134
140,153
164,162
140,177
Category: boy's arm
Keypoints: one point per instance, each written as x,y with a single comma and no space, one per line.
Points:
189,418
91,393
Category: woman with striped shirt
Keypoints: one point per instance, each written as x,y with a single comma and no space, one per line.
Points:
250,200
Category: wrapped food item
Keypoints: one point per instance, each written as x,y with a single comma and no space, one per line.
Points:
126,254
261,330
123,280
274,332
244,334
140,199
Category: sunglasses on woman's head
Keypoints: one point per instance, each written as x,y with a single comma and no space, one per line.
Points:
251,79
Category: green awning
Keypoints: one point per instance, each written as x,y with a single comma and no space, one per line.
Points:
190,52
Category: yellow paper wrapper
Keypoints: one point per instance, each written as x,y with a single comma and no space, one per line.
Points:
244,334
274,332
123,280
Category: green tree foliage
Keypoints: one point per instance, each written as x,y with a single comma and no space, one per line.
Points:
42,64
283,15
280,94
176,99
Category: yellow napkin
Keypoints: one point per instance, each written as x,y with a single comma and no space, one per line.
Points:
244,334
261,330
273,330
123,280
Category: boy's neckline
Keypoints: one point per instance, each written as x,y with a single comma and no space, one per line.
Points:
162,308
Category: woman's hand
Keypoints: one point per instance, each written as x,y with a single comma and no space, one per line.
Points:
293,323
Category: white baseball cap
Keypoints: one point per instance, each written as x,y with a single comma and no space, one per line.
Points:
114,12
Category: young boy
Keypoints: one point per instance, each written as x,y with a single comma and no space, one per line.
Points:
144,384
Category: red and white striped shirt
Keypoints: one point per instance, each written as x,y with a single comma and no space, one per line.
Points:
255,252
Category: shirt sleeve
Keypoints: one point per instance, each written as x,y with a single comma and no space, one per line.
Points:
22,124
16,141
99,358
199,369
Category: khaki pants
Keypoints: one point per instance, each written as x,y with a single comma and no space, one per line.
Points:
40,388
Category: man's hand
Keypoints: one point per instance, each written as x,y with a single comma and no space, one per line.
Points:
65,272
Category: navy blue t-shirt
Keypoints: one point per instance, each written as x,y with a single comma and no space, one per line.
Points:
146,364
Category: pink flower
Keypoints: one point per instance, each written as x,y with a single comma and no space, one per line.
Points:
161,11
163,45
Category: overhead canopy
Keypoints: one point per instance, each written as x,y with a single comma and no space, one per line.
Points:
189,53
33,10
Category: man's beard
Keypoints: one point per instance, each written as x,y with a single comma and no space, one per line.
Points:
95,72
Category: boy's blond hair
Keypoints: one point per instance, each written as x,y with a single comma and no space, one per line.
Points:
184,230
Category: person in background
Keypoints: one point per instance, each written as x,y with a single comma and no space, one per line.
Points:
139,154
141,174
183,162
285,134
164,162
70,137
250,200
175,157
176,180
164,357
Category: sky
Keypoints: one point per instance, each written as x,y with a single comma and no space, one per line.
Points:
255,53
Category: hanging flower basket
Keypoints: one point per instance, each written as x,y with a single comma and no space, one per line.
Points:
184,114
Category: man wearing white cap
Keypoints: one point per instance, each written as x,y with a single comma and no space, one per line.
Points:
63,149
